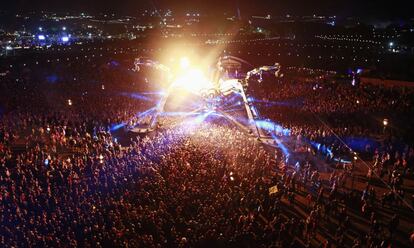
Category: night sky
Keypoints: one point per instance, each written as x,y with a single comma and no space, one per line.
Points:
362,8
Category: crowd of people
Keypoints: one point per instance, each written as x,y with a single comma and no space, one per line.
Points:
66,180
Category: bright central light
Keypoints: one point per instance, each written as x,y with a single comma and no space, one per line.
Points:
193,80
184,63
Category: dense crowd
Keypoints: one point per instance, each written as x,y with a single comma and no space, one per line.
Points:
66,180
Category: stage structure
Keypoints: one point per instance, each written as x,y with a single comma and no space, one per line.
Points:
225,79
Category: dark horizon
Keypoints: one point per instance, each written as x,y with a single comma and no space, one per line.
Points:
343,8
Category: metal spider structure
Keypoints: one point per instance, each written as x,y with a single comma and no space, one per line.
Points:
220,85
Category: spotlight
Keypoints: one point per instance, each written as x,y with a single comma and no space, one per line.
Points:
193,80
65,39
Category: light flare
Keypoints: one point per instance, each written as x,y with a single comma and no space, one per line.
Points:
193,80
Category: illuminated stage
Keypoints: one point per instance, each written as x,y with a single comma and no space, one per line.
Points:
213,88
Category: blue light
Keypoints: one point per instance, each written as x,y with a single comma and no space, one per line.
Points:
178,113
114,63
272,127
145,113
52,78
274,103
254,111
41,37
282,147
136,96
267,125
161,93
234,109
199,119
65,39
342,161
117,126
